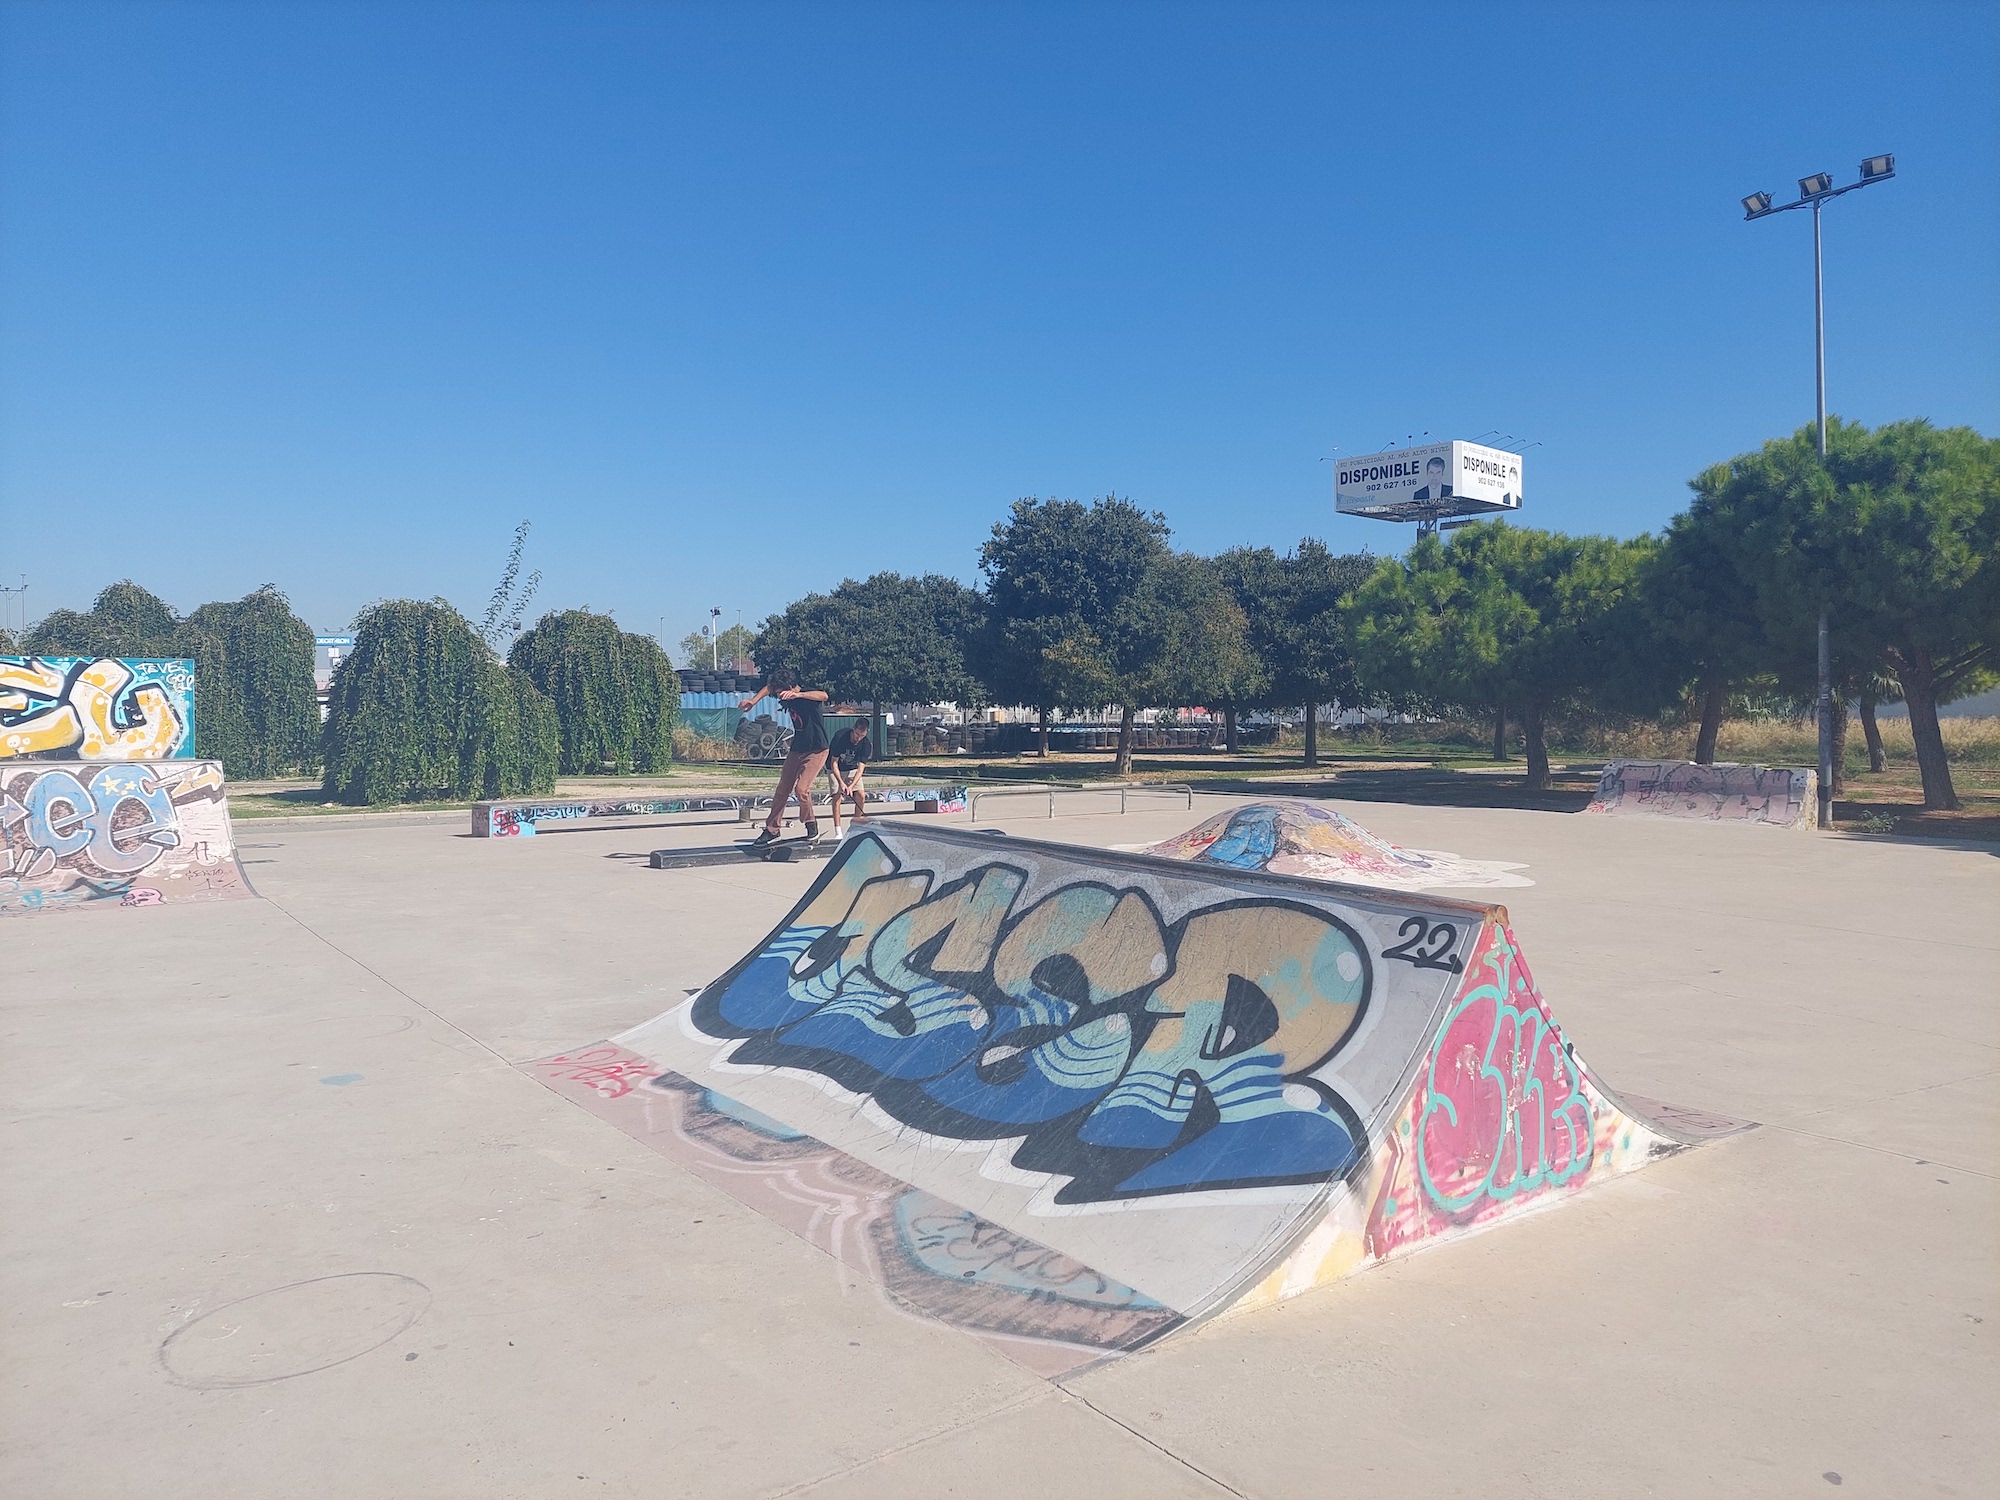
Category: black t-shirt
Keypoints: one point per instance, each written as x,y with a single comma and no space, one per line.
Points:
850,750
808,724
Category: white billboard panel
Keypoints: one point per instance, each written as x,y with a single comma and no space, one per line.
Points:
1437,480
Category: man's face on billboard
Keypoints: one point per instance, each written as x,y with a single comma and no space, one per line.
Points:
1434,476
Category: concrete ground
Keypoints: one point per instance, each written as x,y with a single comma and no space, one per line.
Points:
282,1217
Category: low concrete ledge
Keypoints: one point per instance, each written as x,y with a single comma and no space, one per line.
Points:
514,818
1781,796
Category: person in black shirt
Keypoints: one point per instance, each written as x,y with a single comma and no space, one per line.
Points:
847,762
807,706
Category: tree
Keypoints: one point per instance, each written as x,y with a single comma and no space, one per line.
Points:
1700,614
1179,638
731,647
884,639
124,620
421,709
1254,578
256,703
1318,664
615,693
1896,533
1498,614
1293,605
511,597
1057,573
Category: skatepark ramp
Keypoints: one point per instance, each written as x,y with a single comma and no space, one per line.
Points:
77,833
1071,1100
1782,796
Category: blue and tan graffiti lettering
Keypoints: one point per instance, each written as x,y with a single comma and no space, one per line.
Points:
1131,1056
95,708
132,833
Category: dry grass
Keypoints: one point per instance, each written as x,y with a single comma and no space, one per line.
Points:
689,746
1779,742
1970,742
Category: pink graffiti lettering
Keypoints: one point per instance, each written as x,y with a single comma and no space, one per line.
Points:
1505,1110
611,1072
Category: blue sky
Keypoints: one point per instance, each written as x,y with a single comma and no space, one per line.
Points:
733,301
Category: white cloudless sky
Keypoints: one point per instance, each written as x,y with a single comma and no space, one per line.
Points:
734,301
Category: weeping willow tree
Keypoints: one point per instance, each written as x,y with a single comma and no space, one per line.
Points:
256,708
124,620
615,692
421,709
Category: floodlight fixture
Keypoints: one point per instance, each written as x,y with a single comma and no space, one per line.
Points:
1756,204
1818,183
1875,168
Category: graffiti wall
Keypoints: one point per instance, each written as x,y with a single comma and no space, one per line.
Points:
1102,1095
1783,796
124,833
95,708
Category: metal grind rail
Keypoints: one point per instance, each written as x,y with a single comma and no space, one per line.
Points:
1049,789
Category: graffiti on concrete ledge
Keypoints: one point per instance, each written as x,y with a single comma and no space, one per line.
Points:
1780,795
95,708
1133,1057
134,833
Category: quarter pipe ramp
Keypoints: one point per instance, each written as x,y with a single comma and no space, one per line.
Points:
114,833
1070,1100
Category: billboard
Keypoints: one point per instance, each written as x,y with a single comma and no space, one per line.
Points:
1429,482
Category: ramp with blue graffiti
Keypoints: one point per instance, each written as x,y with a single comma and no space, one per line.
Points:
1070,1100
77,834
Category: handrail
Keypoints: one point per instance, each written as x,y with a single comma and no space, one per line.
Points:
1050,788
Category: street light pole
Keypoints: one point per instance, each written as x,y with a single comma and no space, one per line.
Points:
1819,330
1814,193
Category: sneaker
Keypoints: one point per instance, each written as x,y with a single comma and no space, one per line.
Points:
766,837
812,832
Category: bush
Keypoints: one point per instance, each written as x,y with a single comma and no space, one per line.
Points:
421,709
124,620
615,692
256,708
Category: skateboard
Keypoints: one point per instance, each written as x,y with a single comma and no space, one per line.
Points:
778,852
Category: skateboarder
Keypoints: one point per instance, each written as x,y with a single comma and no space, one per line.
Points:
807,706
847,763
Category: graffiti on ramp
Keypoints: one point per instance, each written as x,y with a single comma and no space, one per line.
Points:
119,833
1782,796
1302,838
95,708
1071,1100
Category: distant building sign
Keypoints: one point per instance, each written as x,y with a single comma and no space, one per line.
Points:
1419,484
327,653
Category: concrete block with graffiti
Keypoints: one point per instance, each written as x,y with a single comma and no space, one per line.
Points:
96,708
115,833
1782,796
1071,1100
